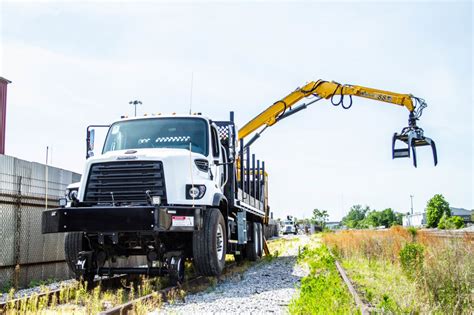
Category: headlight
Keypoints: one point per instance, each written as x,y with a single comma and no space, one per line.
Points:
195,191
71,194
62,202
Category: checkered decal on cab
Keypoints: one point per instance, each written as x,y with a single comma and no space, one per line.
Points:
223,132
173,139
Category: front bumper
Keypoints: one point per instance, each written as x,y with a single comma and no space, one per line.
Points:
122,219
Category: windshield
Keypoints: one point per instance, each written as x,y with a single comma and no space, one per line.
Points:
288,223
175,133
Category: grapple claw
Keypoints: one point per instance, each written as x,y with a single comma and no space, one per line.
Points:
412,137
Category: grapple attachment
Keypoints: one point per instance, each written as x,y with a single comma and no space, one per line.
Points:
412,137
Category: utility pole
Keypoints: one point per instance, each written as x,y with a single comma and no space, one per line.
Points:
135,103
411,197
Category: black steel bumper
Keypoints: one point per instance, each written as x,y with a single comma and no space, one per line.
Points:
122,219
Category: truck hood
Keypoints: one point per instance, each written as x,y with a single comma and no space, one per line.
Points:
178,164
143,154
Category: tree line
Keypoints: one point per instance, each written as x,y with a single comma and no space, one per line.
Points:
438,215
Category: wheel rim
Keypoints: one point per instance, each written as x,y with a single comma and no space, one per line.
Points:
219,242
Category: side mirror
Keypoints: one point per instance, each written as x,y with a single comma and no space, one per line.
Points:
90,137
90,143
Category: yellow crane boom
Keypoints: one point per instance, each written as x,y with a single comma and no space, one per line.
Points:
412,135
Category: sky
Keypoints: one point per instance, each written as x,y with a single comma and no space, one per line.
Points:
73,64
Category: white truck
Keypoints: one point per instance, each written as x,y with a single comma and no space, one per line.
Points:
168,188
289,226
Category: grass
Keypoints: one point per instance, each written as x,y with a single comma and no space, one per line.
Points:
384,286
408,271
75,298
322,291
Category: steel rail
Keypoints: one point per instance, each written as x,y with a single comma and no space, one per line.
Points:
15,303
364,309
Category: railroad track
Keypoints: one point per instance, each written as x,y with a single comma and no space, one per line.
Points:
364,308
48,296
105,284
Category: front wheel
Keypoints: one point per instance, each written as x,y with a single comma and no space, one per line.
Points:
210,244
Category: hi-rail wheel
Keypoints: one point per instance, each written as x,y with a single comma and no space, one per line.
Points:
176,269
260,239
74,245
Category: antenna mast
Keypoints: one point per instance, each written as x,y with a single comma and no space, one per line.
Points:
191,93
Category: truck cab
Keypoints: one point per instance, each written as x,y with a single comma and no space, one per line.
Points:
289,227
184,153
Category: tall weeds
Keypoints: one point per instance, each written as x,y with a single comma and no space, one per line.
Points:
445,272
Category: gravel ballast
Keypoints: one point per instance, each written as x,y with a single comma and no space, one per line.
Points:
266,287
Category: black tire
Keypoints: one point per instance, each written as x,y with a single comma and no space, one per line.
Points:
73,244
260,239
208,260
252,247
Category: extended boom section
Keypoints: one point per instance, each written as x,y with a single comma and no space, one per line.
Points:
412,135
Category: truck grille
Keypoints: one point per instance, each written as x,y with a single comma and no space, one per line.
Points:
125,182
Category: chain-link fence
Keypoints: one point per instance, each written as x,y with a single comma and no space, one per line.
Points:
26,189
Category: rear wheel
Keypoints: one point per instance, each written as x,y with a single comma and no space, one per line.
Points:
209,244
260,239
253,246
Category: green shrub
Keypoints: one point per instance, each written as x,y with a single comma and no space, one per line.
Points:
449,223
442,222
322,291
411,259
455,222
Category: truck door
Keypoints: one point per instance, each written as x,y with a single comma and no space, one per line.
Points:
217,170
